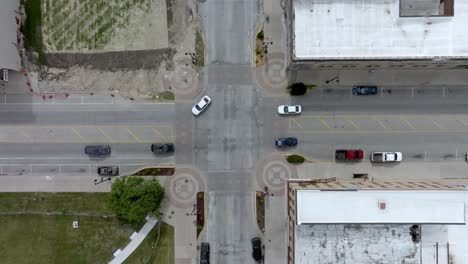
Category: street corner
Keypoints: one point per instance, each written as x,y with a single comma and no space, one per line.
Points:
272,75
183,187
272,172
185,80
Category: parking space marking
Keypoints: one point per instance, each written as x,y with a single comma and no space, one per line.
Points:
78,134
408,123
105,134
349,120
463,122
295,122
133,135
378,122
323,122
159,134
437,124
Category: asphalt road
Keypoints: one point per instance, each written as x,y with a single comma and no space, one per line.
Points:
225,136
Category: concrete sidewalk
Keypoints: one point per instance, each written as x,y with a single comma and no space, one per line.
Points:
19,183
404,170
136,238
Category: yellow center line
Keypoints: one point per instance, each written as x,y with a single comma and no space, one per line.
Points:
109,138
78,134
382,116
408,123
437,124
172,134
159,133
295,121
133,135
375,131
324,123
379,122
349,120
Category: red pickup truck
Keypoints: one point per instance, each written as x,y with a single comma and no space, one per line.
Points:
349,154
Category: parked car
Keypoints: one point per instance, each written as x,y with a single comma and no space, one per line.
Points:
257,249
205,253
466,157
349,154
386,157
201,105
108,171
98,150
286,142
364,90
162,148
289,109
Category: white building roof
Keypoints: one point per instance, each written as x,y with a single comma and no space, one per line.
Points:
9,57
360,207
373,29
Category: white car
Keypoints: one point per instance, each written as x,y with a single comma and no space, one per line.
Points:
201,105
386,157
289,109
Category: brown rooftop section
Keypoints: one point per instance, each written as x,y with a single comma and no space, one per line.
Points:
426,8
394,184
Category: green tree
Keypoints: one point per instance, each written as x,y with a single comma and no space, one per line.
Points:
132,198
297,89
295,159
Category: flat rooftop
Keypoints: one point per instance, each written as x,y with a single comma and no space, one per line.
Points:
351,244
381,207
373,29
9,57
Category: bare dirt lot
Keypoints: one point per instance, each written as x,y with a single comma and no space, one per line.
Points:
123,47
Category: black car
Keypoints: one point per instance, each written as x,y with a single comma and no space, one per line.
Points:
205,253
108,171
162,148
257,249
98,150
364,90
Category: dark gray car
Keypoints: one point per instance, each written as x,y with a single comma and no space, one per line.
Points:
162,148
204,253
98,150
108,171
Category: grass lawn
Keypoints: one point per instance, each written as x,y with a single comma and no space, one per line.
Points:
32,28
148,254
51,239
76,202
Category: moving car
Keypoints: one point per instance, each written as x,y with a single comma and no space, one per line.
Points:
98,150
162,148
386,157
286,142
108,171
257,249
205,253
289,109
201,105
349,154
364,90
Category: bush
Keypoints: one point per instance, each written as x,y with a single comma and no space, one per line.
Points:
132,198
295,159
297,89
260,35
